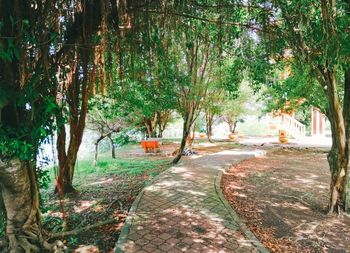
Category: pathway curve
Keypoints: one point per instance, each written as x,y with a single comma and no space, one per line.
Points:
184,211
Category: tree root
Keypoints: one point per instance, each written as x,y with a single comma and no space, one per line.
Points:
27,244
80,230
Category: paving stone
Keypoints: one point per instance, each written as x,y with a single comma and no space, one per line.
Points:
134,236
141,242
166,247
157,241
150,237
164,236
150,247
181,212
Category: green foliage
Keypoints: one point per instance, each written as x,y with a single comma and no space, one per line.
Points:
2,218
299,43
122,139
236,109
73,241
44,179
300,84
27,111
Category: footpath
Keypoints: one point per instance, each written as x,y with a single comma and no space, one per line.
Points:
184,210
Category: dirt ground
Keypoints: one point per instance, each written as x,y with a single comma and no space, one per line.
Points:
283,199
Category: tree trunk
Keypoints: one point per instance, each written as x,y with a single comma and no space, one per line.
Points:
162,121
160,125
94,163
112,145
230,126
346,115
338,160
188,121
185,134
67,164
209,124
338,157
78,95
150,128
190,139
21,200
234,127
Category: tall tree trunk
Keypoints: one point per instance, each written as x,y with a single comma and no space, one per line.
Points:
346,115
338,157
21,200
78,92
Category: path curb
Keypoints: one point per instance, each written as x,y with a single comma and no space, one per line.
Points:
259,246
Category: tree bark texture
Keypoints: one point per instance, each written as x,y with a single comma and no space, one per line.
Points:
21,200
77,124
338,157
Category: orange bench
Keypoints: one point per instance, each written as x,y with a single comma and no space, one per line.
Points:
150,146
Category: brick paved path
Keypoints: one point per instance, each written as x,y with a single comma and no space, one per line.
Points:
182,212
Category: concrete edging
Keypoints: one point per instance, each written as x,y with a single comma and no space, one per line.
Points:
259,246
119,246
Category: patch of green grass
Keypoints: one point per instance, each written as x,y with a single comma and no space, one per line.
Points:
119,166
127,167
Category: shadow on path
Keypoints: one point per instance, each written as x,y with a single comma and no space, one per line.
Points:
182,211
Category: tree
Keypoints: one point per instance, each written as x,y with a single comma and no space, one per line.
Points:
194,85
145,87
43,47
78,76
313,34
104,119
234,109
27,105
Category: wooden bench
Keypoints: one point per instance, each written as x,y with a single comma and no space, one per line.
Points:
150,146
